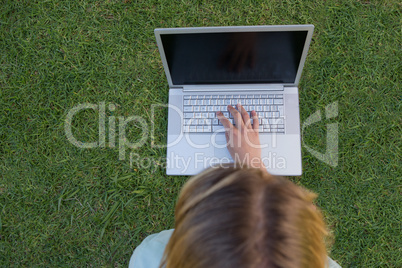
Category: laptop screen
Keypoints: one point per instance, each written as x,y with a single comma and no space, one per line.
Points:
234,57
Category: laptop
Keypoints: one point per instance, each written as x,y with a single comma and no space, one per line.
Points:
208,68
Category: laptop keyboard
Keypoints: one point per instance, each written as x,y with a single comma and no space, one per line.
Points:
200,111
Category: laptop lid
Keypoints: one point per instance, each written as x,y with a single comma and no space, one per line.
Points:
234,55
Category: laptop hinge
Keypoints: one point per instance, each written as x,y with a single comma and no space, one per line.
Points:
233,88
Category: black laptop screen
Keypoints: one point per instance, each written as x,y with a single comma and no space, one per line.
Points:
234,58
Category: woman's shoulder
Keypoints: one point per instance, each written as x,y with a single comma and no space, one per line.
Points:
149,253
332,263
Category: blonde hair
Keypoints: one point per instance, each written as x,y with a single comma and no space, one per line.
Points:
244,217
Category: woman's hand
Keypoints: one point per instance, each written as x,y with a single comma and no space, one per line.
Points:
242,137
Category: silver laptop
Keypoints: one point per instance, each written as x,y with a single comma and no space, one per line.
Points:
209,68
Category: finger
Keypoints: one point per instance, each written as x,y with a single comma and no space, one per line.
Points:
229,128
225,122
236,116
244,115
256,124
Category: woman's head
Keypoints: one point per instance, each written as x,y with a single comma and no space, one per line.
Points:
241,217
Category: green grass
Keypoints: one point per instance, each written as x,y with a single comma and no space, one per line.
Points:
67,206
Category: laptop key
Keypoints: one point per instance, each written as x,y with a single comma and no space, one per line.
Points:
280,110
217,128
194,122
275,121
203,112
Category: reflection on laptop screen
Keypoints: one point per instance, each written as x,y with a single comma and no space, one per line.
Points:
233,58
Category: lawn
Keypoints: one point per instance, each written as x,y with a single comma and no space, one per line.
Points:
61,205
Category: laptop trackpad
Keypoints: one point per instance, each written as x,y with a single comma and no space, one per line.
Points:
220,150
